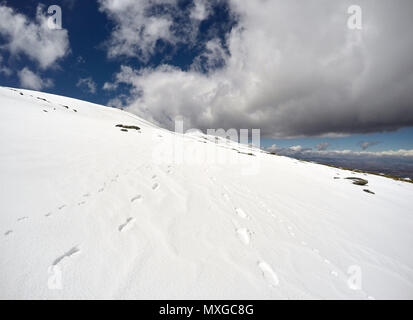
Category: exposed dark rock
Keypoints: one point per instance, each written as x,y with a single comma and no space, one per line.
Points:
248,154
128,127
358,181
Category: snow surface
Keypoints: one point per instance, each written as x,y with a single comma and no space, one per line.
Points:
89,211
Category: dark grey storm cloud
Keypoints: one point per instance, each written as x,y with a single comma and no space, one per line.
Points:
292,68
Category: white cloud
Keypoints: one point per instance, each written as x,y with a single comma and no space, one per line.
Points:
136,33
88,84
294,69
109,86
395,153
139,25
6,71
213,57
296,148
299,150
31,80
115,103
34,39
3,69
200,10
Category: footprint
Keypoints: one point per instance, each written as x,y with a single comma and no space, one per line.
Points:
101,190
48,214
80,203
68,254
327,261
226,196
334,273
138,197
304,243
126,224
244,235
268,273
155,186
8,232
241,213
86,195
154,176
22,218
61,207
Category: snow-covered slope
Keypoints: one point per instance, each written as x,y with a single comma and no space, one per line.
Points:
90,211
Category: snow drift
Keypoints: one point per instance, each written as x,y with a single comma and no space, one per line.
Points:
89,209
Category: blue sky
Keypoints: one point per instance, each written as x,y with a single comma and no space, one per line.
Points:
213,49
88,29
400,139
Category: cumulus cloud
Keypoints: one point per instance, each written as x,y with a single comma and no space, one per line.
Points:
367,144
140,26
88,84
293,69
34,39
137,32
30,80
322,146
213,57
